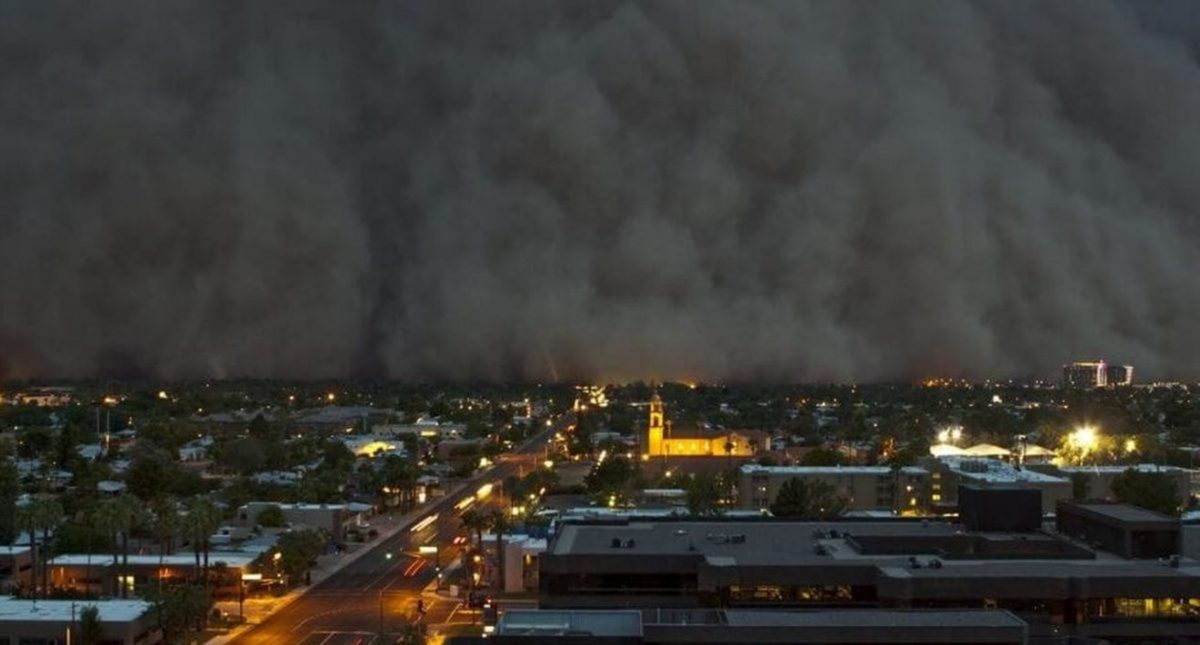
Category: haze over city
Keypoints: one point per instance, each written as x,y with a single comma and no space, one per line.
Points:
718,191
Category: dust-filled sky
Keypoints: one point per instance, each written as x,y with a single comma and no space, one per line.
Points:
723,191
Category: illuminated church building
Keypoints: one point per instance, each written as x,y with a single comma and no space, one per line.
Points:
661,441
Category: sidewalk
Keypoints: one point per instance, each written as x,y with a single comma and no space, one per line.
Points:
258,610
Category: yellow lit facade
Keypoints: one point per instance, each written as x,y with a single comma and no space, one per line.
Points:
660,444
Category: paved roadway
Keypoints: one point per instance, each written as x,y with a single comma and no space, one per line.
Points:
377,593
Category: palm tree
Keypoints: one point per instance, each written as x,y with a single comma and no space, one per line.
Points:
203,518
474,521
27,521
164,523
497,520
118,517
40,514
49,513
107,518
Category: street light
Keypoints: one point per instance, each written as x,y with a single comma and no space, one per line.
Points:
1084,440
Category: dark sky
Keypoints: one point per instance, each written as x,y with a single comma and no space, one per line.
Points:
606,190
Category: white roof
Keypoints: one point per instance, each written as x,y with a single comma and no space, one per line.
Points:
987,450
945,449
236,560
992,470
1034,450
828,470
1143,468
13,609
110,486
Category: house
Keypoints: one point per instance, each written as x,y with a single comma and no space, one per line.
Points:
123,622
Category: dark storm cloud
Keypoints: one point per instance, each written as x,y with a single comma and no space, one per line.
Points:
716,190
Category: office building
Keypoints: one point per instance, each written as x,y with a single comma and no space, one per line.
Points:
1084,375
1057,586
1118,375
947,473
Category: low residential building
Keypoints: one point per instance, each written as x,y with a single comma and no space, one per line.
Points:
45,397
372,445
863,487
16,567
95,573
196,450
334,519
123,622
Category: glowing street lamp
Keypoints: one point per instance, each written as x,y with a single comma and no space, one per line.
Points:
951,434
1084,438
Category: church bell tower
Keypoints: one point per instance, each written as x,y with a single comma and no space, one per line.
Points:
654,431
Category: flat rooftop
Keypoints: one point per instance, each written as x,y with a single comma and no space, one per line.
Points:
873,618
751,469
147,559
1143,468
765,542
996,471
1124,513
14,609
553,622
887,544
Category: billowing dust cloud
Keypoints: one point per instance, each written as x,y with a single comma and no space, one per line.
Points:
598,190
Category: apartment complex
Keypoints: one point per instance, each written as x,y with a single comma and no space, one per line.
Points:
865,488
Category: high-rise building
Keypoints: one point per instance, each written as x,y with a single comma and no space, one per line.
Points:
1085,374
1118,375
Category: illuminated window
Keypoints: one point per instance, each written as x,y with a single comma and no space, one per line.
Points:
935,497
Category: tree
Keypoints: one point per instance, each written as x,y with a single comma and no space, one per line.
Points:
179,608
151,475
298,550
400,474
118,517
807,500
335,455
42,514
271,517
203,517
1152,490
704,492
10,490
34,443
164,522
612,479
90,631
498,522
821,457
244,456
475,522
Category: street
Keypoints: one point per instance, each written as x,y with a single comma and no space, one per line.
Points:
378,592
